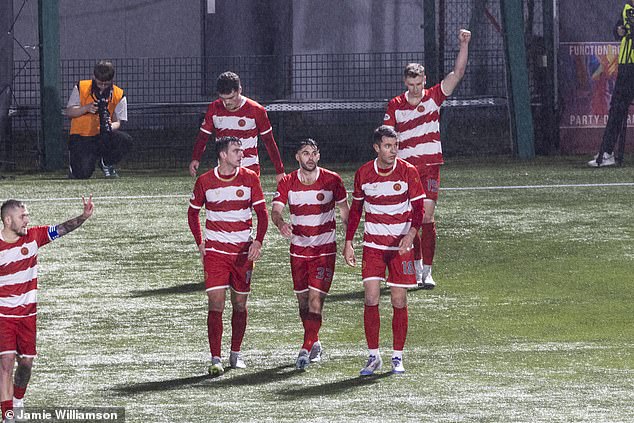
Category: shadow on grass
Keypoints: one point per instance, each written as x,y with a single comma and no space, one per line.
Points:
258,378
261,377
334,388
159,385
176,289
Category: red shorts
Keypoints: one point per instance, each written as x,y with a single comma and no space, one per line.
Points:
314,272
430,177
400,268
17,335
225,270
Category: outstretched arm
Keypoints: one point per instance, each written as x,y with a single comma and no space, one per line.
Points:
72,224
451,81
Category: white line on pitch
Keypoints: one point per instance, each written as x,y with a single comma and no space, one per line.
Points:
142,197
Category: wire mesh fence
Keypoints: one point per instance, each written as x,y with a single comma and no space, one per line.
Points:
167,100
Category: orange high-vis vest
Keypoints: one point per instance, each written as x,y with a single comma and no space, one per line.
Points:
87,125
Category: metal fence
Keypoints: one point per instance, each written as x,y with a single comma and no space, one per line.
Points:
167,99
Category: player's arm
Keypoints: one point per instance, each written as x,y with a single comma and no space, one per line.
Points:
255,250
195,204
354,218
72,224
194,226
451,81
199,149
344,212
274,154
286,229
418,211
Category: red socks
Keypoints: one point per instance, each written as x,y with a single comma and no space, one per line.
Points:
19,391
6,406
372,325
399,328
214,332
312,324
238,327
429,242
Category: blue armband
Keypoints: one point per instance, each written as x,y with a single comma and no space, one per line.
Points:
52,232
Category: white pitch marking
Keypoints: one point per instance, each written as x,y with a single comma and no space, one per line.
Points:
142,197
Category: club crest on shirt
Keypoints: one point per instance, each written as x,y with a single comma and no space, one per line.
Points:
397,187
24,251
420,108
320,197
239,193
242,122
386,117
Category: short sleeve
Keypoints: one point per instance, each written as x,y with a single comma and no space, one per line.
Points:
281,195
340,193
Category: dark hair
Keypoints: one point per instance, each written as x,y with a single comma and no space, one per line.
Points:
222,144
104,70
227,82
383,131
413,70
9,205
306,141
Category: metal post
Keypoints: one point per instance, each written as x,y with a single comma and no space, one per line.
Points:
519,104
550,99
6,74
48,23
430,42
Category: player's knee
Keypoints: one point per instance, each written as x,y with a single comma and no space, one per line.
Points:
240,307
399,298
7,362
25,363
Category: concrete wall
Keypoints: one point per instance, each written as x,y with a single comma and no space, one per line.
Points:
92,29
357,26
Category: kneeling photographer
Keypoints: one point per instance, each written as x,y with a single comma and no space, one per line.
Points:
96,108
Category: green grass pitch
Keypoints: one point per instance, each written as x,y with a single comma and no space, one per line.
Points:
532,319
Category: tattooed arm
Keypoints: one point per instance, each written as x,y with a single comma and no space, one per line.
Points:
72,224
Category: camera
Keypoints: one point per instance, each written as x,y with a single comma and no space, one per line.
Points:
104,116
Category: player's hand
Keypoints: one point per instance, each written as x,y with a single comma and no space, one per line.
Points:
405,244
279,177
286,230
621,31
89,207
193,167
348,254
464,36
255,251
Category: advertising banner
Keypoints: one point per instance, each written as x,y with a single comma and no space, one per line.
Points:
588,65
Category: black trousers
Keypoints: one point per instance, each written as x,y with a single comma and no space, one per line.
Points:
622,96
85,151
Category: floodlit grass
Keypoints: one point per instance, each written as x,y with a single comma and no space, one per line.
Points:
532,319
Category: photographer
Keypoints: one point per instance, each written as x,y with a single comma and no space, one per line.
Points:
96,108
623,93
